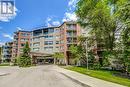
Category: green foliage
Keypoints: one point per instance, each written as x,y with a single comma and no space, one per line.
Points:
58,56
124,12
77,52
25,60
102,74
104,18
5,64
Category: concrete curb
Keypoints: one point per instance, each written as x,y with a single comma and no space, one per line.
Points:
77,81
4,74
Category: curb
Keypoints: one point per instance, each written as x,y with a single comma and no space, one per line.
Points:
77,81
4,74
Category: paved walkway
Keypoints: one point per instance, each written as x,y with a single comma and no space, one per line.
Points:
84,79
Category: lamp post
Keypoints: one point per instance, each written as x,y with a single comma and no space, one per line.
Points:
87,53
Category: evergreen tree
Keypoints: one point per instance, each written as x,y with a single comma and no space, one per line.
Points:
25,60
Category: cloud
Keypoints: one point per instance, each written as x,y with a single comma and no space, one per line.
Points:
19,28
72,3
52,21
55,23
48,21
7,17
69,15
7,36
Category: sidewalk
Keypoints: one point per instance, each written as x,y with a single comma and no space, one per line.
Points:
86,80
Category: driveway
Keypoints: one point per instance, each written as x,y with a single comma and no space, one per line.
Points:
39,76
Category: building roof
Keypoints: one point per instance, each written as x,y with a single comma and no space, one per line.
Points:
45,27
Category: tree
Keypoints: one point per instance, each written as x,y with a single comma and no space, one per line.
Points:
103,18
25,60
78,52
57,56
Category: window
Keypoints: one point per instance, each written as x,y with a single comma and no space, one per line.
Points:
71,26
30,45
57,37
48,37
57,30
35,49
57,48
22,44
24,39
45,31
36,44
57,42
37,32
48,48
48,42
24,34
51,30
36,39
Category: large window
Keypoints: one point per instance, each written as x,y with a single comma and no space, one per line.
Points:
36,44
48,48
24,39
25,34
35,49
37,32
51,30
57,42
48,42
36,39
45,31
48,37
23,44
57,37
71,26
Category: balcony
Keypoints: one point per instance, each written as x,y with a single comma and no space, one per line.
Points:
71,27
71,35
37,33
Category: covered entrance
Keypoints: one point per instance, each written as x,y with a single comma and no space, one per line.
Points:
42,58
45,60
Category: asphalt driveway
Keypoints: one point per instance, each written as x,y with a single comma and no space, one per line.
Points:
39,76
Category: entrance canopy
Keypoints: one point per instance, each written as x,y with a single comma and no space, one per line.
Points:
38,54
40,57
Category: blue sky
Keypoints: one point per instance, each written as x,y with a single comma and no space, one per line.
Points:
35,13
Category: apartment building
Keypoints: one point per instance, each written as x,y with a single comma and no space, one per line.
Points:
48,40
7,52
69,35
45,40
20,38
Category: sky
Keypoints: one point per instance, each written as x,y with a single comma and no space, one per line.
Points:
29,14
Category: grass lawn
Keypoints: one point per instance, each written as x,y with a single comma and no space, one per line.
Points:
101,74
5,64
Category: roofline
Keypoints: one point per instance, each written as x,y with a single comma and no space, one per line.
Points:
67,22
45,28
41,28
22,31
